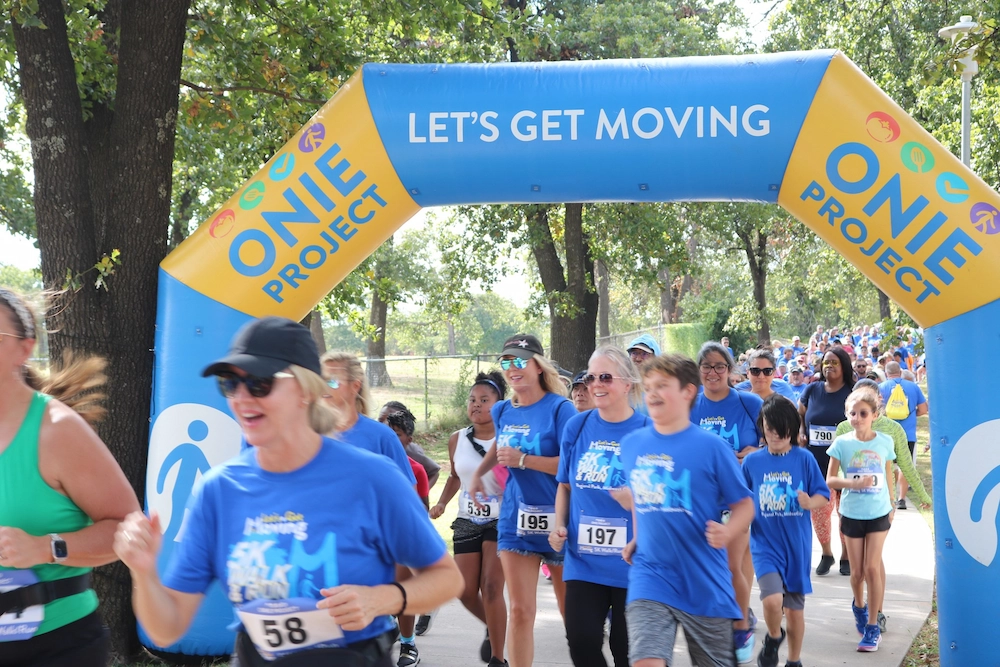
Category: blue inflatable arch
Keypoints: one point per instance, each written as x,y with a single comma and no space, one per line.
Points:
805,130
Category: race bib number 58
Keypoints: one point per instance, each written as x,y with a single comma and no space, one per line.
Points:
281,627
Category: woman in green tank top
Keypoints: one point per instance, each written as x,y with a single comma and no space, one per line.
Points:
62,495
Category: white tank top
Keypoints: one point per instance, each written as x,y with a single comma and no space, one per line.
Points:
467,461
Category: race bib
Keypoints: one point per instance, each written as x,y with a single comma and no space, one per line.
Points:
488,509
535,519
878,481
281,627
16,626
601,537
821,436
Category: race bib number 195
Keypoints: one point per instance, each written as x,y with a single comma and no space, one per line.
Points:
535,519
280,627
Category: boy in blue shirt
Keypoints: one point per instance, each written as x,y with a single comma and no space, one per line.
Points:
786,483
679,474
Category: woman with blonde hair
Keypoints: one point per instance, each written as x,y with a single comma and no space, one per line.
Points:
62,495
590,523
302,531
528,430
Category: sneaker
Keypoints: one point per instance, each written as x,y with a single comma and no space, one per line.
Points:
872,638
825,563
486,648
743,640
845,567
497,662
408,655
797,663
901,504
751,619
881,622
424,621
546,573
860,617
769,652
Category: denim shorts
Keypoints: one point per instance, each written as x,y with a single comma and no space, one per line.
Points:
551,558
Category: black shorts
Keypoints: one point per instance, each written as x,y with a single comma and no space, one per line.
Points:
912,445
859,528
469,536
82,643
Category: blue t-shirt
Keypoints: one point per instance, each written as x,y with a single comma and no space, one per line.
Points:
678,483
779,386
734,418
343,518
781,532
797,391
379,439
535,430
914,397
590,463
864,458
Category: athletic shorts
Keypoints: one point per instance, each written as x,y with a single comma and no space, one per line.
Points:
468,536
82,643
912,446
652,629
859,528
550,558
772,584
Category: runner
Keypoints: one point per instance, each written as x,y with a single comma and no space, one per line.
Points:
589,521
61,496
580,393
821,406
404,426
866,507
678,474
786,483
475,529
528,427
904,401
327,519
732,415
762,383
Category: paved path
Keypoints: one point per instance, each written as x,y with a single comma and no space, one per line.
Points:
830,640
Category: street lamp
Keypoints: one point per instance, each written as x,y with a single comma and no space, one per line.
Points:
969,69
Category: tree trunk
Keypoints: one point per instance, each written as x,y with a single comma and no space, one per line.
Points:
603,300
884,311
451,337
378,376
686,283
314,320
755,247
101,185
666,296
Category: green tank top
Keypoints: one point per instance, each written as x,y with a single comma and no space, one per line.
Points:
28,503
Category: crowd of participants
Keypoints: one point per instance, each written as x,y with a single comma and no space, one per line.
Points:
654,496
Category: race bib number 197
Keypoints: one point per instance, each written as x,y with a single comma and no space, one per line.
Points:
601,537
281,627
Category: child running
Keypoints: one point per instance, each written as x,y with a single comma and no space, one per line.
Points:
678,474
865,506
787,484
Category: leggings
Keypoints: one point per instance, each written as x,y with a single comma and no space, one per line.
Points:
82,643
587,606
821,519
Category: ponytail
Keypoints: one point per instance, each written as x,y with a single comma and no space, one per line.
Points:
77,382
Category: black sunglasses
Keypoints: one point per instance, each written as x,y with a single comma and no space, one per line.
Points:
757,371
603,378
258,387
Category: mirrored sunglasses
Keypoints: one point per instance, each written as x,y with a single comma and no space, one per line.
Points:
517,362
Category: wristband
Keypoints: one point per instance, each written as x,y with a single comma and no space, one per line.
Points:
520,464
403,591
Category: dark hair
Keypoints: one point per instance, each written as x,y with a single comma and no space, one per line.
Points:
846,367
866,382
781,415
712,346
494,380
402,419
761,353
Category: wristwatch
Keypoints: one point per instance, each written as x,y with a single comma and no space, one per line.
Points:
59,551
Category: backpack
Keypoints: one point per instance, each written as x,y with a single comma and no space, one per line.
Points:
898,405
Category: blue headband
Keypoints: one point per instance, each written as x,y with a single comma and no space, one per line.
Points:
492,384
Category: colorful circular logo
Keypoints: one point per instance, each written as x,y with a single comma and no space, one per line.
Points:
252,196
282,167
312,138
985,218
882,127
916,157
223,224
952,188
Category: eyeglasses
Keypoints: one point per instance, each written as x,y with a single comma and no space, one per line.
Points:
636,353
757,371
517,362
258,387
827,364
9,335
718,368
603,378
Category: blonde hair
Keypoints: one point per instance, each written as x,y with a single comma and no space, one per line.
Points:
76,381
355,373
865,395
549,378
322,418
625,369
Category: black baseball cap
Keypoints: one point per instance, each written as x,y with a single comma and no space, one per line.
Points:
268,345
524,346
578,379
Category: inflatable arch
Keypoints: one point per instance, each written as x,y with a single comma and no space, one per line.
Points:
807,130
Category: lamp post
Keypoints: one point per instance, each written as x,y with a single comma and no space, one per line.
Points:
969,69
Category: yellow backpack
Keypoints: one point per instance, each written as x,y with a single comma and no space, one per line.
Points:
898,406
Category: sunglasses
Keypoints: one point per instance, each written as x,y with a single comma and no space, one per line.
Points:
258,387
603,378
333,383
757,371
827,364
517,362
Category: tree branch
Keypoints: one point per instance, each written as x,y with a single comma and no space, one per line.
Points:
220,91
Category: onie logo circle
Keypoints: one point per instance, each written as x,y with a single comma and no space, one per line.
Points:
187,439
972,488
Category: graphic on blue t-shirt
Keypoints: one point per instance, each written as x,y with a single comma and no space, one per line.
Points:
734,418
517,436
600,467
657,487
777,496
